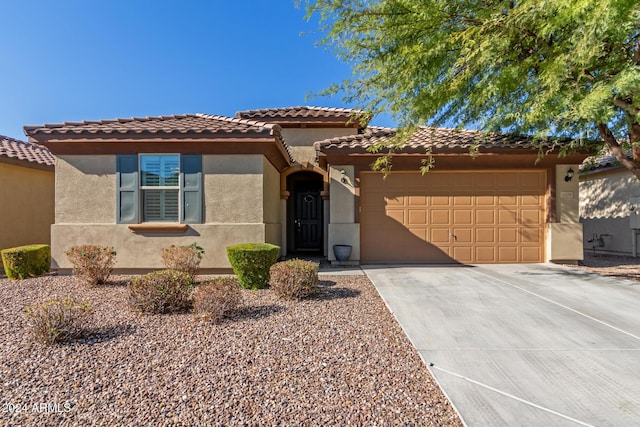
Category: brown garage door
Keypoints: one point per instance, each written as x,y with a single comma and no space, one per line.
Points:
448,217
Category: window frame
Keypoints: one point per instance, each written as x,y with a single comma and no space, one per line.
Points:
142,188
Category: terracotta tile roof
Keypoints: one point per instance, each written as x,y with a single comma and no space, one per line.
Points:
202,124
602,162
25,151
300,114
438,139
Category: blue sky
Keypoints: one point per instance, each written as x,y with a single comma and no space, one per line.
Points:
70,60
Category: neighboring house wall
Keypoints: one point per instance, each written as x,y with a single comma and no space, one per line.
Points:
237,210
605,209
271,204
27,198
300,141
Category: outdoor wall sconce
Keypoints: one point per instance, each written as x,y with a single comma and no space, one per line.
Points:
569,175
343,176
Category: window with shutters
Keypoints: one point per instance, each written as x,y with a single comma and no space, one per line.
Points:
160,187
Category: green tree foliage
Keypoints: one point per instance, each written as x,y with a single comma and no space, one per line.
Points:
567,68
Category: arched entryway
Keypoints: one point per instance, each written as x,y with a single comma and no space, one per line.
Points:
305,213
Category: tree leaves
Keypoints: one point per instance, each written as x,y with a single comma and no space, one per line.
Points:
561,67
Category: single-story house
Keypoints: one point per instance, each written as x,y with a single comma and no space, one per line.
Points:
300,177
609,206
26,193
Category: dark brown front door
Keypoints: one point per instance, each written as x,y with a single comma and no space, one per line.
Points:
307,226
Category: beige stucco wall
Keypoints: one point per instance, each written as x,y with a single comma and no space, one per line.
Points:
233,188
342,228
564,242
607,194
241,199
605,210
86,189
567,195
342,207
142,251
271,203
27,199
300,141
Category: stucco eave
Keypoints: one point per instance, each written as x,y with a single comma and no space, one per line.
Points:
26,164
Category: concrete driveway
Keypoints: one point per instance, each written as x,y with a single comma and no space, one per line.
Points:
527,345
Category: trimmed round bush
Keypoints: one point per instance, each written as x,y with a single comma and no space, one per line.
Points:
251,263
294,279
215,298
164,291
58,319
26,261
92,264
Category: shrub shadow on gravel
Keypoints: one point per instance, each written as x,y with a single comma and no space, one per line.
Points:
326,283
253,312
332,293
97,335
116,283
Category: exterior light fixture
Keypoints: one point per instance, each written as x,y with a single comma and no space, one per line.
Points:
343,176
569,175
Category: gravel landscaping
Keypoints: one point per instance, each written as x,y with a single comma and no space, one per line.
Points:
337,359
618,266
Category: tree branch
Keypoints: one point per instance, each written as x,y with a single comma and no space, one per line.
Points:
626,105
617,150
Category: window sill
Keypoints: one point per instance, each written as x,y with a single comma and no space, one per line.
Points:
158,228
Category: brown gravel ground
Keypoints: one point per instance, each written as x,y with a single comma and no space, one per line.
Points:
622,267
338,359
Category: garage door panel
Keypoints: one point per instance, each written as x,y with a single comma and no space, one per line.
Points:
507,217
487,200
485,235
485,254
469,217
533,180
440,235
418,200
485,216
417,216
510,200
463,235
508,235
440,201
420,233
508,254
530,216
530,200
462,217
531,235
394,201
463,253
530,254
439,217
463,201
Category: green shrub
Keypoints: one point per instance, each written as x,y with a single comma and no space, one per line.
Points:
163,291
26,261
183,258
58,319
294,279
92,264
213,299
251,263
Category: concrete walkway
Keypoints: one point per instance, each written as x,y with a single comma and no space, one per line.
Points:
523,345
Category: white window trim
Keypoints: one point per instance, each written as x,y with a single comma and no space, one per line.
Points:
141,188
